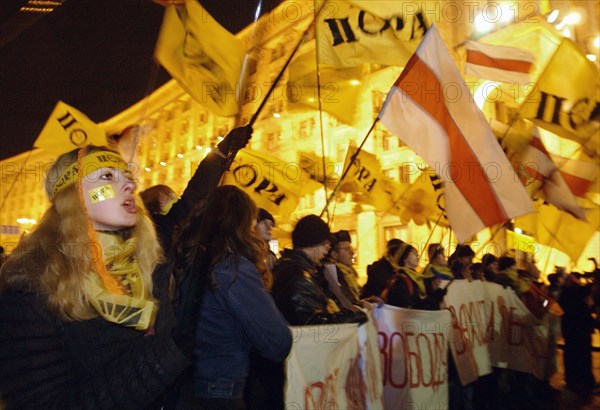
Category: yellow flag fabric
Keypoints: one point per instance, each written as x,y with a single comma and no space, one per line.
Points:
560,230
68,129
340,87
423,201
351,33
204,58
369,184
272,183
319,170
566,97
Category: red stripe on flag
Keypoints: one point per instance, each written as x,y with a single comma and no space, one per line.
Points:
539,145
579,186
479,58
471,181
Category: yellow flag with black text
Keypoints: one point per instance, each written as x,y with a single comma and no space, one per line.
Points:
272,183
204,58
367,181
351,33
566,98
68,129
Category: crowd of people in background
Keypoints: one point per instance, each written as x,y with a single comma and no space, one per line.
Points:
181,303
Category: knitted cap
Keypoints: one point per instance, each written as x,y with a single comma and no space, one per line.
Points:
310,231
264,214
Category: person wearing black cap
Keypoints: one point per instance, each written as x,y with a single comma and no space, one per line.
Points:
299,290
264,227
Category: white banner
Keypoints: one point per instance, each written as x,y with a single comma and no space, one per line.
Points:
413,345
333,367
492,327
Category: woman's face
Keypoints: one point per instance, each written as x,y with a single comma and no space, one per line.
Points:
109,200
265,229
412,259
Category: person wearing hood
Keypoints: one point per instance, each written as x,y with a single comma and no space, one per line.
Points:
381,271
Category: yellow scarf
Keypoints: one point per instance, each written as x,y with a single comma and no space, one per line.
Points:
135,307
351,279
416,278
438,271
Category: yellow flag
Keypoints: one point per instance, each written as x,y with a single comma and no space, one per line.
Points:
204,58
560,230
424,200
340,88
68,129
272,183
566,98
319,170
351,33
369,184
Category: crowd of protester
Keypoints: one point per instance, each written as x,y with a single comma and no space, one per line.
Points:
181,303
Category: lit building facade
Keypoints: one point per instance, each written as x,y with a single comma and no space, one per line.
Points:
179,132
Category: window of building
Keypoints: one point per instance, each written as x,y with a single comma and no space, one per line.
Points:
396,231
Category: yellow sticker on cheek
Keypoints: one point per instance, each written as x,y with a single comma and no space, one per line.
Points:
101,193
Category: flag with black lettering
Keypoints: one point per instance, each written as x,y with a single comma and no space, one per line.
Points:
566,98
68,129
351,33
368,183
204,58
423,201
272,183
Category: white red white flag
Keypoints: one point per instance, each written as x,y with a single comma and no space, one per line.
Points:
498,63
580,176
431,109
537,165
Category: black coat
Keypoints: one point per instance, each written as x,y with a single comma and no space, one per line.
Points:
204,181
92,364
378,275
299,293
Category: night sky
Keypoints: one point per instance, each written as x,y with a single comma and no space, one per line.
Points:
95,56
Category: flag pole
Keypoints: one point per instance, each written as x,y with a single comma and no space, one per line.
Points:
317,59
241,92
230,156
352,160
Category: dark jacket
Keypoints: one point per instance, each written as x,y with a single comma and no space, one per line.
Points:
203,182
404,292
92,364
235,316
378,274
299,293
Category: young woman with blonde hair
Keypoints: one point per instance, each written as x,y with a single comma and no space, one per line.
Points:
85,320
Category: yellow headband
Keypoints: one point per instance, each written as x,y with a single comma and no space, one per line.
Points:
90,163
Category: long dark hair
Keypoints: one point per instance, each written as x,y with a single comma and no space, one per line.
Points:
224,225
